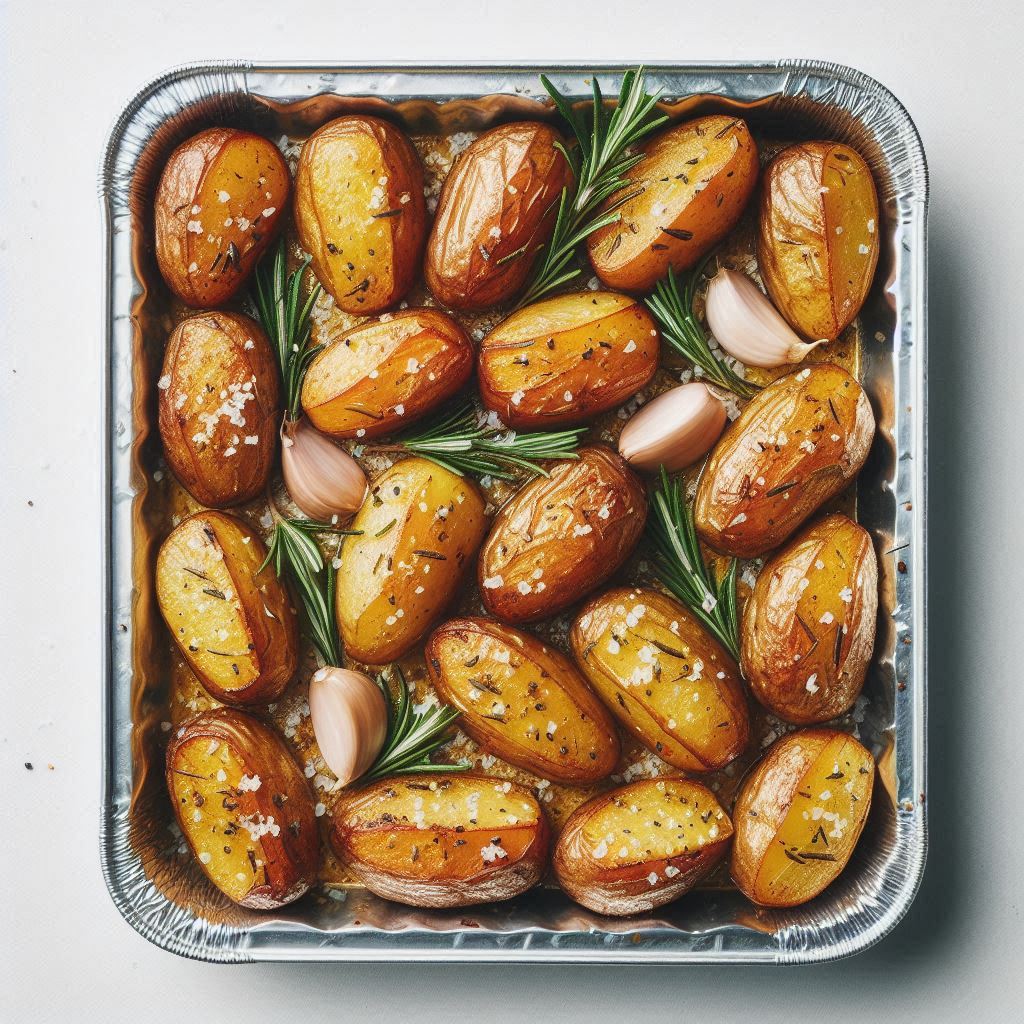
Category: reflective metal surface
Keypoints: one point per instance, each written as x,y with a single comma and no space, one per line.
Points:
159,898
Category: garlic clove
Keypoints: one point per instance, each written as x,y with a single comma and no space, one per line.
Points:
747,325
322,479
350,720
674,430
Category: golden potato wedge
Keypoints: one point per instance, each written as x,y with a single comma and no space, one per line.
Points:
561,536
522,700
236,630
421,525
641,846
360,212
667,680
565,360
797,443
218,206
219,406
809,625
442,841
244,807
799,816
383,375
690,186
496,212
818,243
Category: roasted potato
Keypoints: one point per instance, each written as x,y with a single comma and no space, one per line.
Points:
448,841
236,629
641,846
522,700
244,807
421,525
818,243
797,443
799,816
565,360
687,192
809,626
561,536
667,680
217,208
496,211
219,407
382,375
360,211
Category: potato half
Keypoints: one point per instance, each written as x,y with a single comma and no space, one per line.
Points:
442,841
809,626
236,630
522,700
561,536
244,807
797,443
818,243
360,211
496,212
421,526
666,679
565,360
799,816
219,405
218,206
641,846
383,375
687,192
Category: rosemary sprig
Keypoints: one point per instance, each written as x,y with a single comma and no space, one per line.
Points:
296,556
285,317
599,166
412,737
679,563
461,444
672,306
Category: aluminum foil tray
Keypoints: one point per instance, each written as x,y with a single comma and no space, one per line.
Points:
162,895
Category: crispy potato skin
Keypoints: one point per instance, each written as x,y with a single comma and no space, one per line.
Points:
360,211
809,626
241,625
421,527
665,678
244,807
522,700
613,859
221,450
797,443
565,360
693,183
218,206
442,841
500,197
799,815
381,376
818,242
561,536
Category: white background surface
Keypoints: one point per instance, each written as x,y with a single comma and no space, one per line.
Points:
65,71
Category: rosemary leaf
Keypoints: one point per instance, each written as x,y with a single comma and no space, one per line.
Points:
678,561
599,165
279,306
672,306
459,443
412,737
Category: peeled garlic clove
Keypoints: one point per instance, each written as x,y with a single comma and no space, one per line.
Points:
747,325
323,479
350,720
674,430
